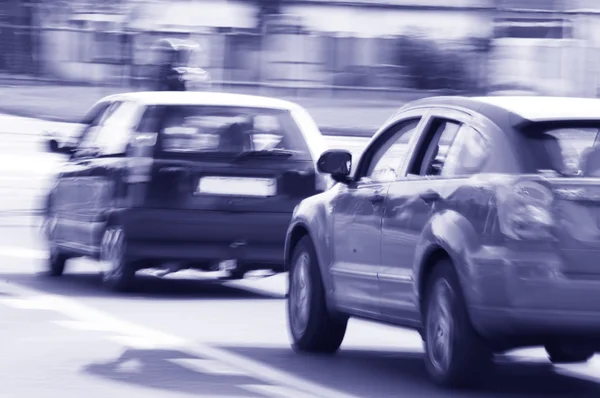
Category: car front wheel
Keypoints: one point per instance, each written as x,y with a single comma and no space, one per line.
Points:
57,259
455,354
118,273
312,327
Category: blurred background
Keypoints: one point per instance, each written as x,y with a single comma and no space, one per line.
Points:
332,48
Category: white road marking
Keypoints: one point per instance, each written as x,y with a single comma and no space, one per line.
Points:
586,371
207,366
141,343
17,252
276,285
274,391
78,325
34,299
24,304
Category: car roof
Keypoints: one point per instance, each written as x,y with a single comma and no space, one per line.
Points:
204,98
521,108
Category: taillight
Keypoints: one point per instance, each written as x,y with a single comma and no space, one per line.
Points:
142,158
524,211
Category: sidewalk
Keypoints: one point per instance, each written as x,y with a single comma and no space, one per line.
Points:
70,103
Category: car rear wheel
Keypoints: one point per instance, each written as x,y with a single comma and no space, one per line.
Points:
561,354
455,354
118,273
313,327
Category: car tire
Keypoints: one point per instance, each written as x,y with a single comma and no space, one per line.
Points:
118,272
563,355
57,259
313,328
456,356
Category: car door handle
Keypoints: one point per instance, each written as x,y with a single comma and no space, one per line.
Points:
430,196
84,162
376,198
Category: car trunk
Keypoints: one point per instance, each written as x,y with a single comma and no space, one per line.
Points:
271,185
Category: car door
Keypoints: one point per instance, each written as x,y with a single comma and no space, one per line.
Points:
430,180
104,169
357,213
66,198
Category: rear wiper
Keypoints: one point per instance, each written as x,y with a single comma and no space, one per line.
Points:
275,152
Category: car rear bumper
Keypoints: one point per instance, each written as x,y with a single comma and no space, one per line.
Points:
517,292
206,236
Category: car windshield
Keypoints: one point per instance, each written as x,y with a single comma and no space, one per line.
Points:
229,130
560,149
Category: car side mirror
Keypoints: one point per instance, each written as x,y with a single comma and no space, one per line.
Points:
337,163
54,144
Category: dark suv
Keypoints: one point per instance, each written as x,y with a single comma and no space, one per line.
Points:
183,180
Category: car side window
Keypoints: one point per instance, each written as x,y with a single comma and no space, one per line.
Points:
93,122
116,129
467,153
388,157
440,135
150,120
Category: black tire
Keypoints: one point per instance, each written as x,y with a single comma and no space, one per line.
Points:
56,262
564,354
320,331
468,355
119,271
57,259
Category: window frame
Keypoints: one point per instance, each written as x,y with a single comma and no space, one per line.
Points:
426,136
385,134
93,119
130,125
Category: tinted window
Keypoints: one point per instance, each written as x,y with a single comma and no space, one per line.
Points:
150,120
228,130
558,149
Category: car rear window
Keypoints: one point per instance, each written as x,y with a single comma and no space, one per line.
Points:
559,148
227,130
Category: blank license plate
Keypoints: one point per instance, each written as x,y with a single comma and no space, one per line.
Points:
237,186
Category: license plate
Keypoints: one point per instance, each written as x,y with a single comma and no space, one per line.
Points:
237,186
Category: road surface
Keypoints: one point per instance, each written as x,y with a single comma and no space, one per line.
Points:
184,337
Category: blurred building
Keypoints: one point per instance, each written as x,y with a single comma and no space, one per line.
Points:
545,45
18,37
314,42
550,46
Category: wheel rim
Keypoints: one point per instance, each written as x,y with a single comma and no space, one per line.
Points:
299,295
440,327
111,253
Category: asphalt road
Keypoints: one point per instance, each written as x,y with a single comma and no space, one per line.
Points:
189,337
